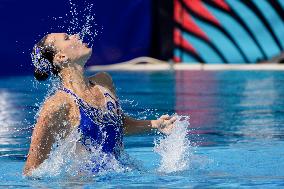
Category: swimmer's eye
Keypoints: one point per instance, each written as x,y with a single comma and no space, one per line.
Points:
66,37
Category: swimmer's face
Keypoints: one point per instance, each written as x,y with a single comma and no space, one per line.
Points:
69,48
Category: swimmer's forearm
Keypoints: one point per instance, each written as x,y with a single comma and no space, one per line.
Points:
134,126
164,124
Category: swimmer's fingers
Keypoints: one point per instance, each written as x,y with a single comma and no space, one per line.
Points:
165,124
173,119
169,121
168,129
165,117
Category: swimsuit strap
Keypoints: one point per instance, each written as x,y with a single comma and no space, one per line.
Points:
109,95
70,92
106,92
79,100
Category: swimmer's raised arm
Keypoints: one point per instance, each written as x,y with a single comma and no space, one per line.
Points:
49,124
131,125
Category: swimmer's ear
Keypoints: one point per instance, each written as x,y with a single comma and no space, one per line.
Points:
60,58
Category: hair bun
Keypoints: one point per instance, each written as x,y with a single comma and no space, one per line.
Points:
40,75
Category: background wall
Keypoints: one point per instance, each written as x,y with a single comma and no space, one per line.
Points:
123,27
203,31
228,31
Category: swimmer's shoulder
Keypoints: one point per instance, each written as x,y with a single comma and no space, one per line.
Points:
57,101
104,79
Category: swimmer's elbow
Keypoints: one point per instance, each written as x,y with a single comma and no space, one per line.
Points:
35,157
27,172
33,162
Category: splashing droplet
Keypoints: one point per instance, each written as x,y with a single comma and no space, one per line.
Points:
175,149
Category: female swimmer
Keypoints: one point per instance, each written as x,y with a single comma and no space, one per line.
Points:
89,105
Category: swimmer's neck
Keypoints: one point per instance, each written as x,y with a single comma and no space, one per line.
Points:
73,78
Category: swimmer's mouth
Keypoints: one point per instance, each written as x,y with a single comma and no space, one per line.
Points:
84,44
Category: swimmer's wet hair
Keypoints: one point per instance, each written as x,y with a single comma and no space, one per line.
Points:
47,53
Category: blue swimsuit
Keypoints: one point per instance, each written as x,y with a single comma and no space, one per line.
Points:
100,129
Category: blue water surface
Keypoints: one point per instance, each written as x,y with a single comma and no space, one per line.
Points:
237,125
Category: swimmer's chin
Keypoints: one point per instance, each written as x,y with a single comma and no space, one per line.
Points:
89,54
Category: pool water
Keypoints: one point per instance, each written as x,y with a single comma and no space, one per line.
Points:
235,138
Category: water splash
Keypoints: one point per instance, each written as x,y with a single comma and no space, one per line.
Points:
82,20
68,158
79,20
142,114
175,150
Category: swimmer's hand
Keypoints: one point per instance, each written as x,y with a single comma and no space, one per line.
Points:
164,124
